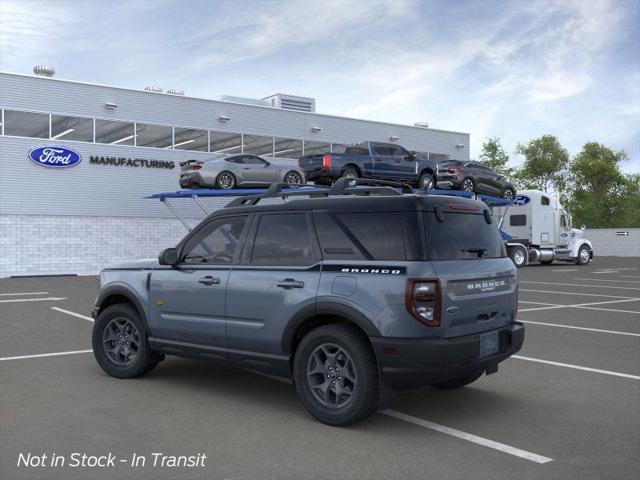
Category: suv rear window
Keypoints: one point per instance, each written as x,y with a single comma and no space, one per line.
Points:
462,236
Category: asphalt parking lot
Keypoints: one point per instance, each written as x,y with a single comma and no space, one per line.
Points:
568,406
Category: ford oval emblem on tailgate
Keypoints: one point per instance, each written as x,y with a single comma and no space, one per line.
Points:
55,157
452,309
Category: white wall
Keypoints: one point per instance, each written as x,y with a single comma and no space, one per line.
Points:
50,244
607,242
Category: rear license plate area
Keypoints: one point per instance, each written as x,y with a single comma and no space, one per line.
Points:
489,344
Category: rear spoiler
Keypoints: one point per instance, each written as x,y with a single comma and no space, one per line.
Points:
189,162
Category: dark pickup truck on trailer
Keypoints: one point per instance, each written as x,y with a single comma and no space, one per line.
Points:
386,161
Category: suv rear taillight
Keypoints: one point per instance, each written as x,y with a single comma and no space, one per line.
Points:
196,167
422,299
326,161
453,170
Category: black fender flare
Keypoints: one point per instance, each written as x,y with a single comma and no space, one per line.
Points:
124,291
326,308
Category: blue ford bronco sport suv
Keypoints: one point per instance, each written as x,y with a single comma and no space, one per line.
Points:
353,292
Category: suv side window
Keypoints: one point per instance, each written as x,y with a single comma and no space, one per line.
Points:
283,239
217,242
334,242
381,234
398,151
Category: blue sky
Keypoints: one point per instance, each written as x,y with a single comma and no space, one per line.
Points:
511,69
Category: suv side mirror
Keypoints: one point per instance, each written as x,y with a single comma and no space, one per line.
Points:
169,256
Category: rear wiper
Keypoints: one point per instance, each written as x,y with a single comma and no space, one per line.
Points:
479,250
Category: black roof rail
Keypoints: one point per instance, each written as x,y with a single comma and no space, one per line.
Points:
275,190
343,183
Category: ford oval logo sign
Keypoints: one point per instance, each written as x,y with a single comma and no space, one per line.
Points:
521,200
452,309
55,157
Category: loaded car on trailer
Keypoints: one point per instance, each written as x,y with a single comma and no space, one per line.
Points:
385,161
352,292
473,177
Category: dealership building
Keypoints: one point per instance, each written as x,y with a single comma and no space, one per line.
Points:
126,145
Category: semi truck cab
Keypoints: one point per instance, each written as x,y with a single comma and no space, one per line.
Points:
538,229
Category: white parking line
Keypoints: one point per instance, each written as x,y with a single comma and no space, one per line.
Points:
541,303
533,457
22,293
588,306
615,332
582,285
40,355
566,270
578,367
73,314
612,281
576,293
609,310
629,276
47,299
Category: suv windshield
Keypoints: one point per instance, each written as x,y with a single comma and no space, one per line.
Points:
462,236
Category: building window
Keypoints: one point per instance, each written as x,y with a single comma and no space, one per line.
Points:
115,133
258,145
287,148
316,148
71,128
156,136
26,124
191,139
228,143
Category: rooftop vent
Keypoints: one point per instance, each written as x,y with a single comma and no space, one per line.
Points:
421,124
153,88
175,91
291,102
44,71
244,100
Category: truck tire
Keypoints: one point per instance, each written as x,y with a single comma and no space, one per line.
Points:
518,255
336,375
120,343
460,381
426,181
350,172
584,255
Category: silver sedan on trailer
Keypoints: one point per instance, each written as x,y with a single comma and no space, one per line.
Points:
230,171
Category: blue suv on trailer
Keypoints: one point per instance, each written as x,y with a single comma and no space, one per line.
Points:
353,292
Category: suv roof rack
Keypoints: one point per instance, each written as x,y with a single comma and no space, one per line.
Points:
342,186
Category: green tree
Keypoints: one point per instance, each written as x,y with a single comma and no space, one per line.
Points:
544,165
599,194
494,156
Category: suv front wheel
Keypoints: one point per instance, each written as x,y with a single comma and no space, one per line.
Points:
336,375
120,343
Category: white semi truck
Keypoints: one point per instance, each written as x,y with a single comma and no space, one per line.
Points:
540,231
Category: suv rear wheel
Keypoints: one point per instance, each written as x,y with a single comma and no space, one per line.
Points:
336,375
120,343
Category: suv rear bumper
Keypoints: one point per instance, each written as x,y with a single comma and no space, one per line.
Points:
410,363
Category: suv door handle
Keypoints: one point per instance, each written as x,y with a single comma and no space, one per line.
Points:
290,283
209,280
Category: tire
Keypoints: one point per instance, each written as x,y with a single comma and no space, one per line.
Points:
123,323
584,255
460,381
518,256
225,180
509,194
426,181
353,354
468,185
293,178
350,172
